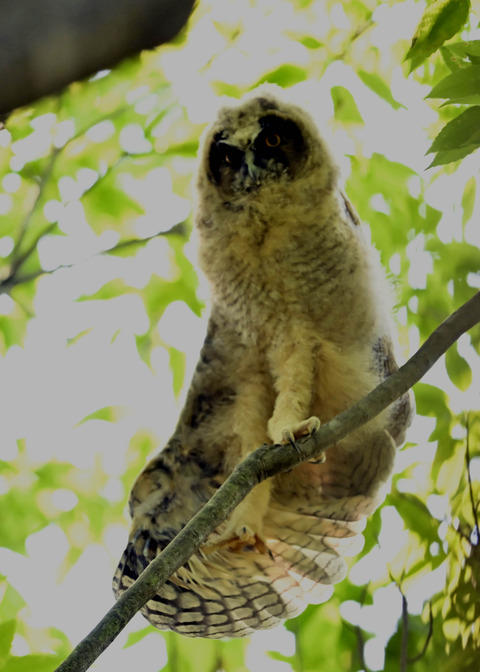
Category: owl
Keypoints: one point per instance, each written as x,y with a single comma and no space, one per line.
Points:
300,328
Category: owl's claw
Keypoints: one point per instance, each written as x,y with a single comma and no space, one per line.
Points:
245,533
318,460
292,432
244,540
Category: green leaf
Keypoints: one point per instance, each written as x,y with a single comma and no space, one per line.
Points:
454,59
472,49
225,89
144,347
177,365
186,658
12,329
285,75
462,86
441,20
430,400
79,336
446,448
10,600
344,105
378,86
190,148
232,655
449,156
7,632
416,515
290,660
450,473
458,369
108,413
459,137
135,637
468,199
37,663
310,42
108,207
459,55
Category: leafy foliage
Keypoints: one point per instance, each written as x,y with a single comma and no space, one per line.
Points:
100,326
442,20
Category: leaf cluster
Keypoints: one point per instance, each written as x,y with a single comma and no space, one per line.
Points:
443,20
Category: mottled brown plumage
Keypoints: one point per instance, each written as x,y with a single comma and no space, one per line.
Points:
300,328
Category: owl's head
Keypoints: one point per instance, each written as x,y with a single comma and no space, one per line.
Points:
257,141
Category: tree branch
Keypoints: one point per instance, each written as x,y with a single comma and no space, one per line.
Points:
14,279
263,463
45,46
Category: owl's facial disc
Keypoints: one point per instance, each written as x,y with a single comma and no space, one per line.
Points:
277,149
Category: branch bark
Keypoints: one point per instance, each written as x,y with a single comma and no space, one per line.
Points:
45,46
263,463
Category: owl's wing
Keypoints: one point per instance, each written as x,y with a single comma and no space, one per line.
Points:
219,592
403,409
315,519
224,593
318,512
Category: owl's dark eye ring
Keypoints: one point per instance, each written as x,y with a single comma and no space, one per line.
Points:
273,140
229,155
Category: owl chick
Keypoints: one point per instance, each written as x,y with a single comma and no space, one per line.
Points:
300,328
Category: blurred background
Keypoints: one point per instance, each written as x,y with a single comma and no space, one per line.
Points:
102,315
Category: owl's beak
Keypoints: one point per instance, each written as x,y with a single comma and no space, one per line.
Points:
251,168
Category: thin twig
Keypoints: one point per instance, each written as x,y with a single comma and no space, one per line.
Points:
15,280
415,659
18,261
266,461
359,633
469,478
404,645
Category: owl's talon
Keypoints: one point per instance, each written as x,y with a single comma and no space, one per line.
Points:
244,533
304,428
319,460
245,541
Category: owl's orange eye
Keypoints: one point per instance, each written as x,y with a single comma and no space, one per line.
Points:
273,140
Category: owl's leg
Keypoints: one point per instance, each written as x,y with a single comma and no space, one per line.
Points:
293,368
253,407
245,526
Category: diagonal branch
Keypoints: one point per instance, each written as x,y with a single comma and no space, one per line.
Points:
265,462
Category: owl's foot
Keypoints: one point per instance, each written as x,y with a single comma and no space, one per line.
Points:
244,539
291,432
296,431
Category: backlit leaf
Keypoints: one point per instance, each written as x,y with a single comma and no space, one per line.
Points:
345,107
458,368
459,137
285,75
441,20
378,86
461,86
7,631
